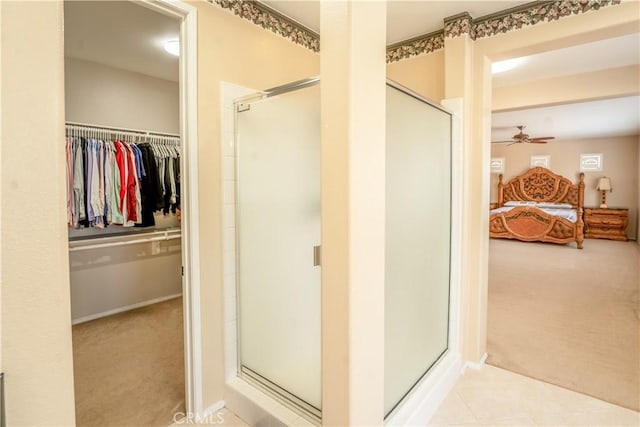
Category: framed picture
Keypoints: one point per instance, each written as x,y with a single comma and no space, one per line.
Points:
591,162
497,165
540,161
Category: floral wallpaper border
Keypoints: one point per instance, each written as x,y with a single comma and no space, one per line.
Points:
273,21
417,46
519,17
454,26
458,25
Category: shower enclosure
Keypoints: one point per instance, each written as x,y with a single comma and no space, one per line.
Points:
278,236
278,216
418,240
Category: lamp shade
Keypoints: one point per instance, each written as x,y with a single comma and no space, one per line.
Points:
604,184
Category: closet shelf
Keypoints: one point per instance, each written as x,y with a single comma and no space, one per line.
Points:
108,242
91,128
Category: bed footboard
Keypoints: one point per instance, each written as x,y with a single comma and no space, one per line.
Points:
532,224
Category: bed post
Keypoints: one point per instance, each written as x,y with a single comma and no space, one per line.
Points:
580,222
500,191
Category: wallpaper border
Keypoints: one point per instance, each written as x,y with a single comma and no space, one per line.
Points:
518,17
454,26
262,15
424,44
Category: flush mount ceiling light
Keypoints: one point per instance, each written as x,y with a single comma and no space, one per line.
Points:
173,47
502,66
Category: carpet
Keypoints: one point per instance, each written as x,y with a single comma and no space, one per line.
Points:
568,317
129,367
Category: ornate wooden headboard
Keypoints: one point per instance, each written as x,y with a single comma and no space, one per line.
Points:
542,185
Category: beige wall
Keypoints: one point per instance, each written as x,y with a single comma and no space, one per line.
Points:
36,334
422,74
353,125
234,50
36,347
620,163
110,279
102,95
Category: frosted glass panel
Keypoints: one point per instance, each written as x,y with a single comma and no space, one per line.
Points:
278,225
418,228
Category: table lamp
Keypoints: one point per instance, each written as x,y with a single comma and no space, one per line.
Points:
604,185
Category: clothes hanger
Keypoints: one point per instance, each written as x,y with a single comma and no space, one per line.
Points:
167,153
176,147
154,149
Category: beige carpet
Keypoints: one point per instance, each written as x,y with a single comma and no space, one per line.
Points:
129,367
567,316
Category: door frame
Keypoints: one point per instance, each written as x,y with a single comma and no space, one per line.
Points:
188,88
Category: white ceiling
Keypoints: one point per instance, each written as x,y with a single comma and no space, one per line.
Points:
128,36
121,34
599,55
595,119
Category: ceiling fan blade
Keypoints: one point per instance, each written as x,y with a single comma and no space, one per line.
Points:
534,141
543,137
514,142
502,142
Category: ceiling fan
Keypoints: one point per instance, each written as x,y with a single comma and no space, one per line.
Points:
522,137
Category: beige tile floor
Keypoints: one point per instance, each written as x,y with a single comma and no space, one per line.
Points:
230,419
495,397
223,418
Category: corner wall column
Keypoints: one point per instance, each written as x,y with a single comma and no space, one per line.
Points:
36,343
353,93
459,72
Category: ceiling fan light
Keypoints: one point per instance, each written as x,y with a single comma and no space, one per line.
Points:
502,66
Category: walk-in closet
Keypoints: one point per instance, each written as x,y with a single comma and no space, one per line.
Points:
123,151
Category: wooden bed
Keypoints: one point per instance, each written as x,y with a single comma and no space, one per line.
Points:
529,223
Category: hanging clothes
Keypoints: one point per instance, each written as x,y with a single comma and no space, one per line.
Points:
150,188
118,182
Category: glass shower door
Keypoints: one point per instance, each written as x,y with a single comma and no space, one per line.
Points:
418,241
278,227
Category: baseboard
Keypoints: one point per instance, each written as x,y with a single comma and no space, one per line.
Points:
427,396
213,409
123,309
257,408
476,366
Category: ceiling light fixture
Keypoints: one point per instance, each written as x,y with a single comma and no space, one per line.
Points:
502,66
173,47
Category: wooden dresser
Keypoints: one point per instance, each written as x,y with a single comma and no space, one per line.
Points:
610,223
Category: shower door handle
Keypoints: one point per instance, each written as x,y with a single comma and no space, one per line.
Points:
316,256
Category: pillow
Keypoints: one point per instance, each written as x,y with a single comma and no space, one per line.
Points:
519,203
551,205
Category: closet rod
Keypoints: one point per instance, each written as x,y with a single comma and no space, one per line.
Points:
165,236
88,126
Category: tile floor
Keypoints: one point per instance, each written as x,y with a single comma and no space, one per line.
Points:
223,417
230,419
495,397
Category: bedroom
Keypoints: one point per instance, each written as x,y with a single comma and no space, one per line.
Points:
569,308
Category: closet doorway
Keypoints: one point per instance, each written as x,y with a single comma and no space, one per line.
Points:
126,163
